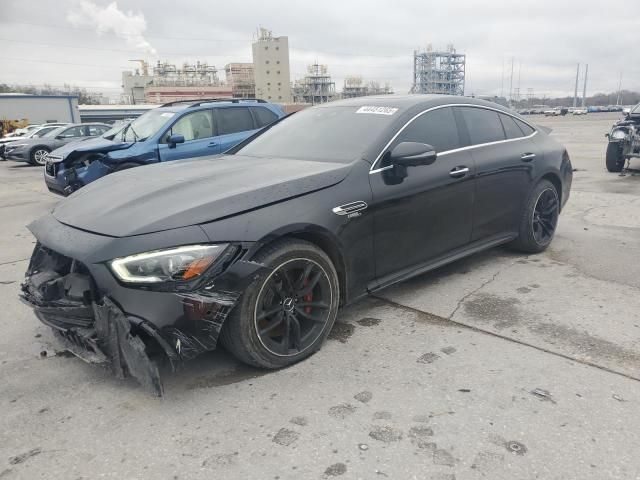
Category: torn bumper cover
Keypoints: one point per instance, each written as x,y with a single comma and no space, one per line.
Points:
96,328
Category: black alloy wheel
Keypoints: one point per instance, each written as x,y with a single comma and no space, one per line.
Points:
545,216
539,219
293,307
286,313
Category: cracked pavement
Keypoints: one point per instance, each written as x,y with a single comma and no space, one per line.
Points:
498,366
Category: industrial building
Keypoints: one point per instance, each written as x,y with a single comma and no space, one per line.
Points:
354,86
39,108
166,82
271,67
316,87
241,79
441,72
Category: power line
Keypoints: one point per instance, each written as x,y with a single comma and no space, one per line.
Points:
213,40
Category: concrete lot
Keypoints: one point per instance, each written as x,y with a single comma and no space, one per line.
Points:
433,379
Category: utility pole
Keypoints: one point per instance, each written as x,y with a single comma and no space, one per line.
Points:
619,90
575,92
519,78
584,92
511,83
502,84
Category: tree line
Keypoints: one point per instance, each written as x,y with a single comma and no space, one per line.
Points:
84,97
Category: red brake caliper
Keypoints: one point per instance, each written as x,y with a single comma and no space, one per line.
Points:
308,297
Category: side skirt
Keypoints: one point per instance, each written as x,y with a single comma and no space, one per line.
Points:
440,261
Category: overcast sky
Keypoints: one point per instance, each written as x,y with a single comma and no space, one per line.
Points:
89,42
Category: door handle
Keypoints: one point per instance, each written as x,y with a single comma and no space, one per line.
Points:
459,172
527,157
213,144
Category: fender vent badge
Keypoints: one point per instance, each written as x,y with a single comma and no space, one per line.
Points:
350,208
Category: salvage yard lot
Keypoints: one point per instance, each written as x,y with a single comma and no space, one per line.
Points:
499,366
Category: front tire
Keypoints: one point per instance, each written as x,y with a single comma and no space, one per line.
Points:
284,315
38,156
614,159
539,219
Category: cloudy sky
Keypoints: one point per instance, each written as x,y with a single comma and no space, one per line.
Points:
89,42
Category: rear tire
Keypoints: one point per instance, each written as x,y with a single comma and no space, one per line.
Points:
285,314
615,160
37,156
539,219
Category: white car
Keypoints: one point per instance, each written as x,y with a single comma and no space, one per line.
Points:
578,111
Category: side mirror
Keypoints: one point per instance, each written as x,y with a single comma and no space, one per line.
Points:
412,154
175,139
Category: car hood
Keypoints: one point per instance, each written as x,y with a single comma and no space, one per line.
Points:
190,192
90,144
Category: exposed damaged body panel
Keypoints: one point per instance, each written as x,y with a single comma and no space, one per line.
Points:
93,327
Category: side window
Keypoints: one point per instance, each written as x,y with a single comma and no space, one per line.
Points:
95,130
73,132
483,125
193,126
526,129
510,127
233,120
437,128
263,116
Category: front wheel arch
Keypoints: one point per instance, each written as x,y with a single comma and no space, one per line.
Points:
321,239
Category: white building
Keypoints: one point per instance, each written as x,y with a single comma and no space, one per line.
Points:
39,108
271,67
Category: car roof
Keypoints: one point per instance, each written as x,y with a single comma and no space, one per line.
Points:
411,101
203,104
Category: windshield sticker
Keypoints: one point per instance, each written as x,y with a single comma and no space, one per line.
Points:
377,110
167,114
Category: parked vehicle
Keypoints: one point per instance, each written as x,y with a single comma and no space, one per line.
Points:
36,133
578,111
556,112
35,150
624,141
258,248
539,109
175,131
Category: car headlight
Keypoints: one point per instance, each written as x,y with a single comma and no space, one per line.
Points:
170,265
619,134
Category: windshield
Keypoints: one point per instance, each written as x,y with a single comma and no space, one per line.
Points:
338,134
146,125
41,132
636,109
54,132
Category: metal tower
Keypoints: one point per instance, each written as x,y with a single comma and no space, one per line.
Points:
438,72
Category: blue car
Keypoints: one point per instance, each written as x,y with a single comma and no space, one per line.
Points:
174,131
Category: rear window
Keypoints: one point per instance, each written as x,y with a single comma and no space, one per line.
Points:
233,120
510,127
483,125
263,116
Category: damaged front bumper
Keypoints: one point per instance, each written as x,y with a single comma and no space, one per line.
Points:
104,323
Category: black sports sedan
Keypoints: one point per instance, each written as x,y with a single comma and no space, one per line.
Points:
258,249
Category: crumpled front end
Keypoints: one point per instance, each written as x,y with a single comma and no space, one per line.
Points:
97,328
63,296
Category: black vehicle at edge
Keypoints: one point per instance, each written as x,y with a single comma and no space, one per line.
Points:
258,248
